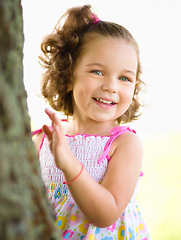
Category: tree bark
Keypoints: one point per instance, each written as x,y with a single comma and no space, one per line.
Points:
25,211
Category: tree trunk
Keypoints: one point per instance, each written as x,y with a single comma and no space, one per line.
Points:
25,211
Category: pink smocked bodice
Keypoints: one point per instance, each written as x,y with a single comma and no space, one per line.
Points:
92,151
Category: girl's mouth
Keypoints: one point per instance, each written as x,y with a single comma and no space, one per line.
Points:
104,101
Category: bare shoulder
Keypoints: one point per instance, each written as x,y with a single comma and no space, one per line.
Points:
37,141
131,140
128,145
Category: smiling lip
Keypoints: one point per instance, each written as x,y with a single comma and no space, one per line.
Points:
104,103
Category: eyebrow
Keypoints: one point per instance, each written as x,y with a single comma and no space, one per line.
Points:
102,65
97,64
129,71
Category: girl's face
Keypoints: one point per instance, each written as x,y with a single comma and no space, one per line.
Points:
104,80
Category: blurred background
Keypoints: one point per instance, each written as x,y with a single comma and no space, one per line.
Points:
156,26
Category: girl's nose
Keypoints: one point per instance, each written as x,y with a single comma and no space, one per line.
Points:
110,85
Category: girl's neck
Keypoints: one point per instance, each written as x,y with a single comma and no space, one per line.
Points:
91,128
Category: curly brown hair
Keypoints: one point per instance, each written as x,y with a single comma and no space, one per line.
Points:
65,45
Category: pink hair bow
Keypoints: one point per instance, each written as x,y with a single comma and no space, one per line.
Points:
96,18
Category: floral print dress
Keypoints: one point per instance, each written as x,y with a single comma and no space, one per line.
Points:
92,151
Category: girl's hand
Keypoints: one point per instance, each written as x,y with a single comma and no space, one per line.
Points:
58,143
109,199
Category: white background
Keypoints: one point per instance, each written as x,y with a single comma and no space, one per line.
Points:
156,26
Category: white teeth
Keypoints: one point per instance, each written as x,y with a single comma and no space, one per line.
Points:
104,101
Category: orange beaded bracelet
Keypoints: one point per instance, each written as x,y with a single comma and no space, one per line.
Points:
76,176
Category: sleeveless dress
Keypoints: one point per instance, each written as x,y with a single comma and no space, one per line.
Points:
92,151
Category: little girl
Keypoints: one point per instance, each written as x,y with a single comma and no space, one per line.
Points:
92,165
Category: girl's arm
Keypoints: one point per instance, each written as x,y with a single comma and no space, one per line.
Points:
37,141
101,204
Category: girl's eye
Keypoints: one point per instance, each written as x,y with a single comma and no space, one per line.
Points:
125,79
97,72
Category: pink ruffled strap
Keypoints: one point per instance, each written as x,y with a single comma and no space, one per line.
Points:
115,132
33,133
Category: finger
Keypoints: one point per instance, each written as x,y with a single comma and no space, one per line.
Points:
50,113
48,132
55,120
52,116
58,132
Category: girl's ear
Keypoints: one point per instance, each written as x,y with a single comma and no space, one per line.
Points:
136,84
69,87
